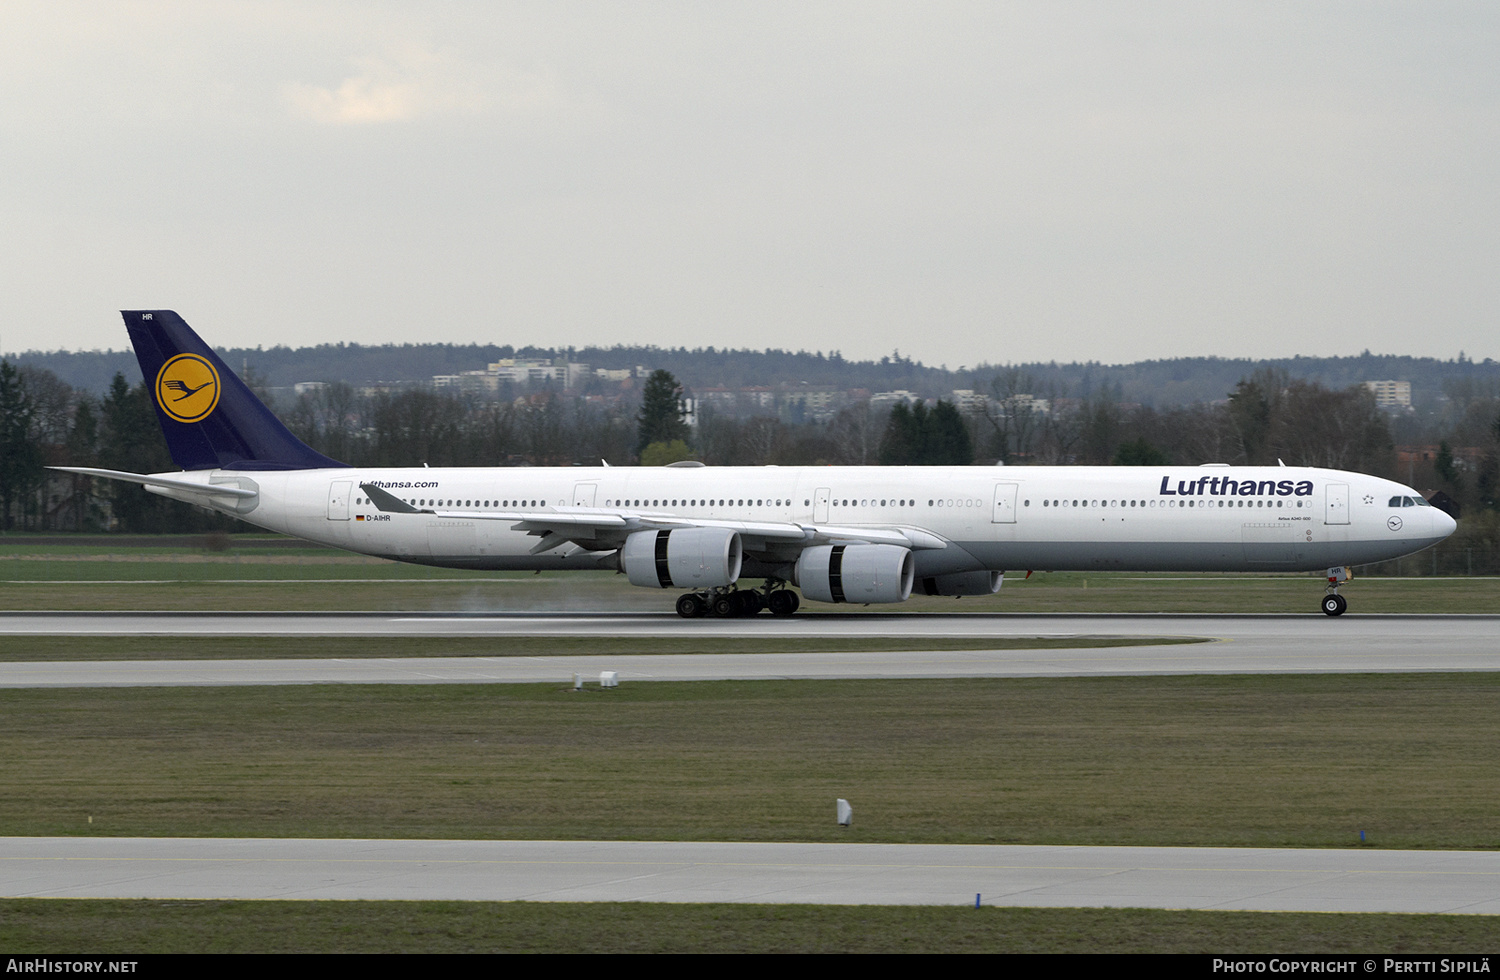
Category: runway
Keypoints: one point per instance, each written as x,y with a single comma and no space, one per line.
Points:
1236,644
1247,879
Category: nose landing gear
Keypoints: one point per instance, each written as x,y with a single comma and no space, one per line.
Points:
1333,603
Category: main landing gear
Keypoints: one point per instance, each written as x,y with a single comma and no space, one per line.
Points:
1333,603
727,602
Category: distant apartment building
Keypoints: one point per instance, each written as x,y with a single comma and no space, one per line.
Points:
1392,395
530,372
819,402
1022,405
468,382
888,399
970,402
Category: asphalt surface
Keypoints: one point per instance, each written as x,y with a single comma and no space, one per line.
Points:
1235,644
1246,879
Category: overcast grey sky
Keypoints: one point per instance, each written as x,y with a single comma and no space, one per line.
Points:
964,182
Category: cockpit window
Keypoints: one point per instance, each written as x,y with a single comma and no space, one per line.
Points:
1395,502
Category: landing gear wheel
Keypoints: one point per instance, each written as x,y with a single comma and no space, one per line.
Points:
1334,604
751,602
691,606
782,602
725,606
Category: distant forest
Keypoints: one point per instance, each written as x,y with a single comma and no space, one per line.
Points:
1161,384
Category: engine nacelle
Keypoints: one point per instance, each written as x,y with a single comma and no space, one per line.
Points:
960,583
856,573
682,558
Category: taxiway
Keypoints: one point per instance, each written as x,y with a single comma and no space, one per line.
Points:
1244,879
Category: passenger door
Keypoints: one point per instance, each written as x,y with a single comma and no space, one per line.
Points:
820,505
339,493
1337,511
1004,511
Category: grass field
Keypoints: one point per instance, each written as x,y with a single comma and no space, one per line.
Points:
1295,761
136,927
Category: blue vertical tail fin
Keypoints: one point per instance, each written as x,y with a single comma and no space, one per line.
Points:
210,418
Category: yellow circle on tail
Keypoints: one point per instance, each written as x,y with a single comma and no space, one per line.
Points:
187,388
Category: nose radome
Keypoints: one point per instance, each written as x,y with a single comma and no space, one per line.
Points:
1442,524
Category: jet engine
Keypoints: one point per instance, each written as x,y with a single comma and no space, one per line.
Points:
961,583
855,573
682,558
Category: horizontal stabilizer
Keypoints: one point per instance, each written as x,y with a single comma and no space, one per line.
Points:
156,480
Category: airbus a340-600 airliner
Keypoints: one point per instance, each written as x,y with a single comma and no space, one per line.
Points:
839,534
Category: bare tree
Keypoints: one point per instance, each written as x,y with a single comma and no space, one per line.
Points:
1341,430
761,440
855,434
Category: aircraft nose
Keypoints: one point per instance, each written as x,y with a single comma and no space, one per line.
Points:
1442,524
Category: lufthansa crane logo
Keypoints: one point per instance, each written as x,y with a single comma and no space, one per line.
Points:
187,388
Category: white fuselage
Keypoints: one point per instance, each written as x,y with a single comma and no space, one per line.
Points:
1210,518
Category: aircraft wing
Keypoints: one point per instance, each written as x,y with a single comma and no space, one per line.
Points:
594,527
